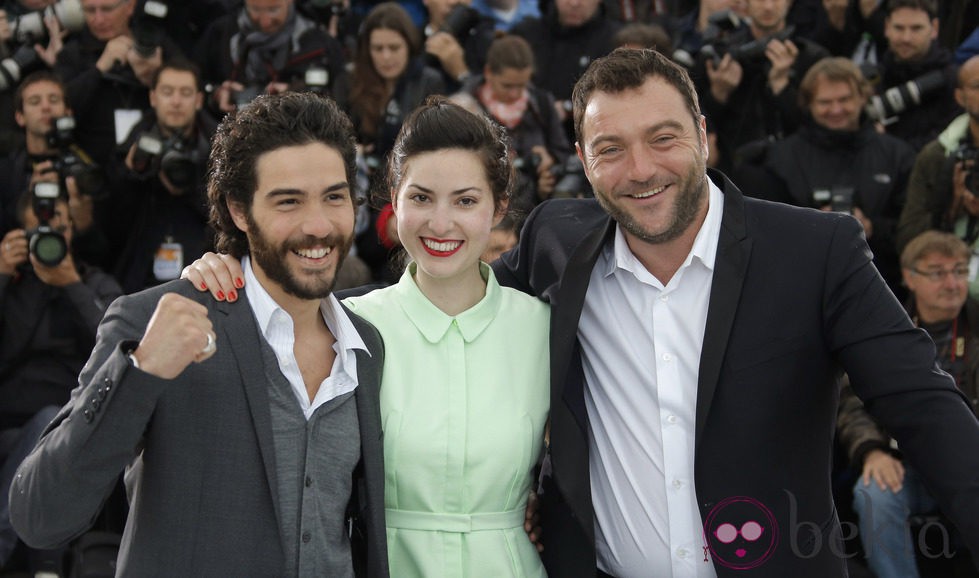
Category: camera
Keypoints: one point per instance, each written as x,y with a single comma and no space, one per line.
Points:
47,244
175,157
29,28
148,28
23,61
838,197
71,160
744,53
969,155
460,21
323,10
897,99
316,79
571,181
528,163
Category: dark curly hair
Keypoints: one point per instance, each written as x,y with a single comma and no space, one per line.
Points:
440,124
269,123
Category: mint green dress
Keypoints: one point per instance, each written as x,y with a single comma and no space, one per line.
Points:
464,402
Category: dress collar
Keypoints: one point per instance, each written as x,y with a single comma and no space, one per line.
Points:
433,323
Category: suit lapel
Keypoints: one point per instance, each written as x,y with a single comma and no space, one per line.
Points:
568,418
241,333
733,253
564,320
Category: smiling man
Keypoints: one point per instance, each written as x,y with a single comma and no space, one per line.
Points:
247,432
838,161
696,344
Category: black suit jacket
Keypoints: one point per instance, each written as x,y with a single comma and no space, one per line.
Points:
794,300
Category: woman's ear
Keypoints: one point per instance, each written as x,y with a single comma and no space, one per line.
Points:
501,211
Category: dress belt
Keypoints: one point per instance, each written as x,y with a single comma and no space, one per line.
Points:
462,523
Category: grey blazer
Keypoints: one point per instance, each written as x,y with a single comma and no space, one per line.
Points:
205,502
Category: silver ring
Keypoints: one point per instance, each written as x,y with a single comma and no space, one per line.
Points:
210,347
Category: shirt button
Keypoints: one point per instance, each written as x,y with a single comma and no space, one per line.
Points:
307,537
671,419
677,484
89,415
664,298
309,481
667,357
682,552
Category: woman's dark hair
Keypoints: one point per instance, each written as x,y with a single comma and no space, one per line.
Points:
509,52
269,123
440,124
368,91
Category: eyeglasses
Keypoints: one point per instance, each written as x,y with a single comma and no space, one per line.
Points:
107,9
939,275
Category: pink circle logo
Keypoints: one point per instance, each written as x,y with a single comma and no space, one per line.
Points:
741,533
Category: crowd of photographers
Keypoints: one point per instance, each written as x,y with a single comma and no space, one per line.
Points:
107,108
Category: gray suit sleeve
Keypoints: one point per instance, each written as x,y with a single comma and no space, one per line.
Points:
61,486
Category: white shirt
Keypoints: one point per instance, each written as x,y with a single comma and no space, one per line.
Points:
641,345
277,328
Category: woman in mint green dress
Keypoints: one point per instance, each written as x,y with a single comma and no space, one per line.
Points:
464,394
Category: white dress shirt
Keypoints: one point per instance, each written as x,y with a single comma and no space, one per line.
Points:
641,345
277,327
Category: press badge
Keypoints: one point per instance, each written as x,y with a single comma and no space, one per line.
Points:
169,261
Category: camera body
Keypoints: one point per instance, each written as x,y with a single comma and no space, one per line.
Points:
47,244
72,161
897,99
968,155
323,10
149,29
174,157
838,197
744,52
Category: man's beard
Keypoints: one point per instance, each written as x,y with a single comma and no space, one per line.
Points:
684,210
272,259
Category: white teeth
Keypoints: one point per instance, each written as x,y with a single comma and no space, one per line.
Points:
649,193
314,253
442,247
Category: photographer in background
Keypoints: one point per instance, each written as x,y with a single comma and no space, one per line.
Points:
565,40
159,204
48,318
838,161
457,38
47,157
267,46
107,68
750,90
943,190
31,35
504,93
917,75
935,266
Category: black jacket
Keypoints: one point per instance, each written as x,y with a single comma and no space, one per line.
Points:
920,123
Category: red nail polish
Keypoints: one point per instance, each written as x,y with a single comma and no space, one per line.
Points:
203,286
232,295
220,295
239,282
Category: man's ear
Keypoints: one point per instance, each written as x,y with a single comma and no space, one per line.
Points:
238,215
19,118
